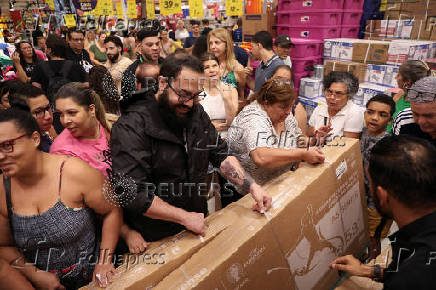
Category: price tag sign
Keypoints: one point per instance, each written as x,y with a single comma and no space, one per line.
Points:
70,20
51,4
150,9
168,7
233,7
196,9
131,9
119,8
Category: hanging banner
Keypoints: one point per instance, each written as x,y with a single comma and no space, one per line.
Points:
149,6
70,20
253,7
168,7
131,9
233,7
51,4
196,9
119,8
106,8
84,5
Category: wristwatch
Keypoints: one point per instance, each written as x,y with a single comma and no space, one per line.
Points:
376,272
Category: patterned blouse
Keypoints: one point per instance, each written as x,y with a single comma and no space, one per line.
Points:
252,129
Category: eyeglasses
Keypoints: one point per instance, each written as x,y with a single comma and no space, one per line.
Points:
40,113
78,39
337,94
428,96
183,98
8,145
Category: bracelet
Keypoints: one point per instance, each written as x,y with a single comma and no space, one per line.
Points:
376,272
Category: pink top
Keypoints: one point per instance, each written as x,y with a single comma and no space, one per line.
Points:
95,152
40,55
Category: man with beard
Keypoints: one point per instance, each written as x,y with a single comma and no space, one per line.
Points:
149,50
402,175
116,64
164,141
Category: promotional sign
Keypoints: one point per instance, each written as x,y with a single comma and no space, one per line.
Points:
50,4
196,9
131,9
149,6
168,7
254,7
70,20
233,7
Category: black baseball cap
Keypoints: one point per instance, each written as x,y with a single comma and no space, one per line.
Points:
283,41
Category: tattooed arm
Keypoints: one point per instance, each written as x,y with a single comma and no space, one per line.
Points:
231,169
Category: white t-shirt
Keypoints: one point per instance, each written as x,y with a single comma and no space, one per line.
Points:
348,119
214,107
288,61
181,34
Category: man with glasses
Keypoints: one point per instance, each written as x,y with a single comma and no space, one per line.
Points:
76,49
164,141
420,119
40,108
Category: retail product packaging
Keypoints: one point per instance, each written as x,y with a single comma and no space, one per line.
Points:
399,29
162,257
384,75
367,91
356,68
402,50
318,214
311,88
258,22
357,50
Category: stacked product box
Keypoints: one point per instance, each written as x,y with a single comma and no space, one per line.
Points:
319,19
309,22
374,62
411,19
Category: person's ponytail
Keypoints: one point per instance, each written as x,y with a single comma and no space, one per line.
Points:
100,112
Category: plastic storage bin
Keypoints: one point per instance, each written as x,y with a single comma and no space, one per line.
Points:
351,17
304,47
354,4
350,31
310,17
310,4
303,64
296,77
312,32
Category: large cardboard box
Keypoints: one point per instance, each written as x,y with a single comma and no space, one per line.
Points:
384,75
356,68
318,214
162,257
357,50
254,23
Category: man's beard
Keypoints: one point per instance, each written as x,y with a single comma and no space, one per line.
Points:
377,204
169,114
113,57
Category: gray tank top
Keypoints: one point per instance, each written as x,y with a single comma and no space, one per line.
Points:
61,240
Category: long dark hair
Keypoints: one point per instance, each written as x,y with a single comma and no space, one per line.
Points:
84,96
100,80
20,52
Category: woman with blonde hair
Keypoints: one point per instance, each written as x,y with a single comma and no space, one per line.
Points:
89,39
87,133
231,71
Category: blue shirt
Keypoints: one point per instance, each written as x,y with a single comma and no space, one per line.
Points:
266,70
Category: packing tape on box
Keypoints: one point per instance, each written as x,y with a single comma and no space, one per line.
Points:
367,52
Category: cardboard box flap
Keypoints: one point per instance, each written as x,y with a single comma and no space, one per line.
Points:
164,256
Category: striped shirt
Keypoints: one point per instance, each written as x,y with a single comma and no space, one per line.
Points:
403,118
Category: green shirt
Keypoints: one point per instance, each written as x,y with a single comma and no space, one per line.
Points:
98,54
399,106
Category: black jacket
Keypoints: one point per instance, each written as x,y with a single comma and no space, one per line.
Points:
144,148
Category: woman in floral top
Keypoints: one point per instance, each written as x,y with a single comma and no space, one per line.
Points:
266,138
